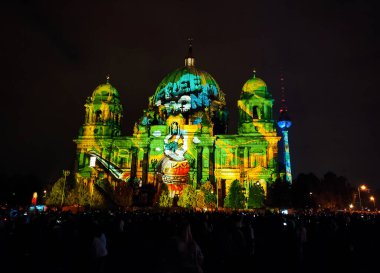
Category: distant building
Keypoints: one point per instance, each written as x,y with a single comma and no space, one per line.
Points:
182,136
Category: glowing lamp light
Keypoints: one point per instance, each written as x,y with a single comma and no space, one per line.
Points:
363,187
92,161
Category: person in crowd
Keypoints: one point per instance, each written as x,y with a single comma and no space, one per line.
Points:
99,249
189,254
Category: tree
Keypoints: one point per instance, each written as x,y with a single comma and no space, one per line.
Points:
79,195
55,196
209,195
331,192
279,194
301,188
235,198
200,199
165,201
256,196
103,194
97,200
334,193
188,199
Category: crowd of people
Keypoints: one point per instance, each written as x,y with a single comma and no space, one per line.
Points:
170,241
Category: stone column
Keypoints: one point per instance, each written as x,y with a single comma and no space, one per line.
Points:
240,162
249,157
211,164
240,157
134,162
237,159
265,112
145,166
270,156
199,164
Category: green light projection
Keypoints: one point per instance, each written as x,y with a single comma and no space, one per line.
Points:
181,138
186,90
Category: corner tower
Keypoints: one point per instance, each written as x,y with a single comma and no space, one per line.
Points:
255,108
257,136
102,122
103,112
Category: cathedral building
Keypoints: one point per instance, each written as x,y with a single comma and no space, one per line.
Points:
182,136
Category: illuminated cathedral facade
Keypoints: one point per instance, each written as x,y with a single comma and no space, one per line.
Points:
182,136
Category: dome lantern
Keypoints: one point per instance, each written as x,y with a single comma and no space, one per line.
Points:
190,60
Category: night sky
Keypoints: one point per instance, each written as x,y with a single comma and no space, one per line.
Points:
54,54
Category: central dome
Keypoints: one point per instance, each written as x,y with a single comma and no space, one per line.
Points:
187,89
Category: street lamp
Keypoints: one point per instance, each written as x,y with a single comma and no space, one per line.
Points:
310,201
372,198
362,187
65,174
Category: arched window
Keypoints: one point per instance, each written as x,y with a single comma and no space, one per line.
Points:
254,112
98,116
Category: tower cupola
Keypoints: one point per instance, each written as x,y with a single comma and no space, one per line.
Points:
255,107
256,86
190,60
103,112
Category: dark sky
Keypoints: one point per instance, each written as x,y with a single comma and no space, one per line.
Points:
54,54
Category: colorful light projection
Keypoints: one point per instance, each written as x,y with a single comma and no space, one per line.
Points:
285,125
112,168
175,142
173,167
287,157
191,92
